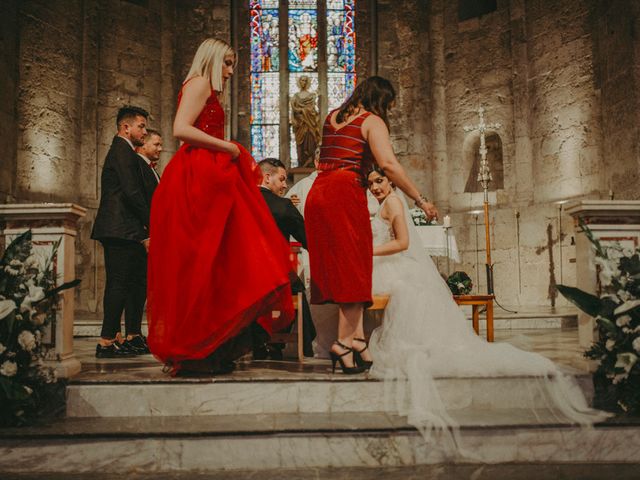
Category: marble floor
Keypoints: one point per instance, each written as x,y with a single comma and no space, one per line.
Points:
559,345
513,471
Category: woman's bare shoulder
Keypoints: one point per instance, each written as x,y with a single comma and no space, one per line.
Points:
395,203
373,120
197,85
392,207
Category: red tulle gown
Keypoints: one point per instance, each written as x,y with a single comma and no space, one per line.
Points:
217,261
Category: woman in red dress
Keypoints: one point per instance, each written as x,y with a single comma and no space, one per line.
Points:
217,261
336,215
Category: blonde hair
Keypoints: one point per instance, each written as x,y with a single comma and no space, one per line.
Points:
208,61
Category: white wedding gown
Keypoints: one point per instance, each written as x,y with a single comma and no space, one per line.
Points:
425,335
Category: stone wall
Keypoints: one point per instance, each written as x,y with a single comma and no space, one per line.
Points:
617,53
49,93
531,65
8,94
77,62
403,52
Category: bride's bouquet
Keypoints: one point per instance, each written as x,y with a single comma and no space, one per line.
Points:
617,313
420,218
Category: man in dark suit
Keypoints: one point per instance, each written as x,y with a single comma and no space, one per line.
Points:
291,224
274,185
122,226
150,152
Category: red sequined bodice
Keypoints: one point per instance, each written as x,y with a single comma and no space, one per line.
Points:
211,118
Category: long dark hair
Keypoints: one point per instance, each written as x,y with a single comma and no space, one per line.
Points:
375,94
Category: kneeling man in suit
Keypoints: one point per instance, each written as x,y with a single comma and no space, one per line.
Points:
291,224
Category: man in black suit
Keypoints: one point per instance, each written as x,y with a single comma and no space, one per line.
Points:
122,226
274,185
291,224
150,152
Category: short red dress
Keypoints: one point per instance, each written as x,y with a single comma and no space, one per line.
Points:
217,261
337,218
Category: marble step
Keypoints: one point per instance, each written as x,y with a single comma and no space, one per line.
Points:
501,471
291,441
264,394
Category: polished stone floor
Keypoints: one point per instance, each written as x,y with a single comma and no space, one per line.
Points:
559,345
419,472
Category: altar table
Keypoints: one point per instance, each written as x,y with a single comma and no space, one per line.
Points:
434,240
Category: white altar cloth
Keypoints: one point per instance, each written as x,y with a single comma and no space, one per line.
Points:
434,240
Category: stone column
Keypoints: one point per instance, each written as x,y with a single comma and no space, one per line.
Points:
50,222
610,221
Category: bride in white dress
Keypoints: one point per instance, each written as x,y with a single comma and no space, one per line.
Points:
425,335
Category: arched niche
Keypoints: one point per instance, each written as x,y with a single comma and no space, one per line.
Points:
471,152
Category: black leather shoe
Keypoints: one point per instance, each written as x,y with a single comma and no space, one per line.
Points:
260,352
274,353
137,345
115,350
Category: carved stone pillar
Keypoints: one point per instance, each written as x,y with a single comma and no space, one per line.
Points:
50,222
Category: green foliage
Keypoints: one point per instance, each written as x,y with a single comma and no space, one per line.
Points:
459,283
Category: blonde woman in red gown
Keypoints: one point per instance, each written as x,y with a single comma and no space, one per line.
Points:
217,261
336,215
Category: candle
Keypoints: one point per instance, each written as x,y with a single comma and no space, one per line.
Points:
446,221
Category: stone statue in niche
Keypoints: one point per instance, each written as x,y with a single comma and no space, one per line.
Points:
305,120
494,157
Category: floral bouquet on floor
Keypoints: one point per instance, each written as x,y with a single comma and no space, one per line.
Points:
28,301
459,283
617,313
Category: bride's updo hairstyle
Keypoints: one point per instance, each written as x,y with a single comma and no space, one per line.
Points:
380,172
208,61
375,94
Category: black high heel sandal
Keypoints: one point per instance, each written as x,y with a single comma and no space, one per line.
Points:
357,355
337,358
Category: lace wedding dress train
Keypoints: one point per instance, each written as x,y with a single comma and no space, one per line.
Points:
424,335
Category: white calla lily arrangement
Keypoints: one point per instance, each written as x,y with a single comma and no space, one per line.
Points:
29,297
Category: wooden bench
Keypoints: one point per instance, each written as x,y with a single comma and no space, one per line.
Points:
297,335
476,301
379,303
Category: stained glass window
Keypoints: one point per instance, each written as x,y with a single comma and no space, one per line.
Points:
302,59
265,80
341,51
303,40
